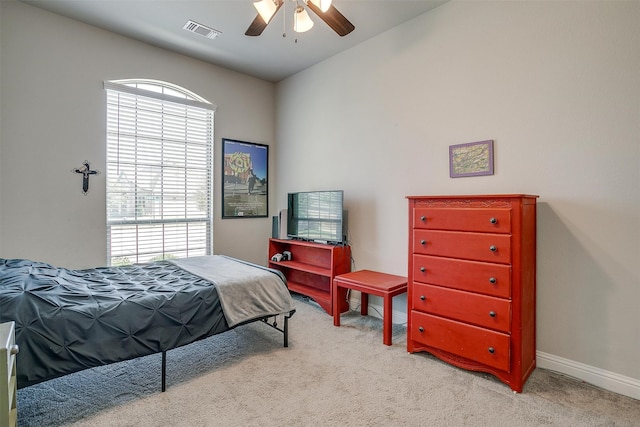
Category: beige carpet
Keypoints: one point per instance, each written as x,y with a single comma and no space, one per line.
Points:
328,376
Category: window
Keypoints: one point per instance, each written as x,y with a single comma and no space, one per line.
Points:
159,172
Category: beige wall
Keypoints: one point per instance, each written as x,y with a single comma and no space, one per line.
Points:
556,85
53,116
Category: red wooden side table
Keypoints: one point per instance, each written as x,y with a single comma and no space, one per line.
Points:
371,282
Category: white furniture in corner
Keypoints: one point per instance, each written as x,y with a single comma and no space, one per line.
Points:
8,381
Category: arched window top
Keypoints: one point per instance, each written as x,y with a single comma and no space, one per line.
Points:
159,172
160,90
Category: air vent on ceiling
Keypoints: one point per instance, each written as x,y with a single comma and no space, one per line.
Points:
194,27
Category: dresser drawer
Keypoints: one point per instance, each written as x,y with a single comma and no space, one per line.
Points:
481,310
472,246
484,220
478,344
482,277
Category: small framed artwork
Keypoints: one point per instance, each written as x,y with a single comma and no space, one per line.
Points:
245,187
471,159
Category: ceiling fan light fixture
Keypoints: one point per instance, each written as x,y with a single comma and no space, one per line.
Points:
301,20
266,9
324,5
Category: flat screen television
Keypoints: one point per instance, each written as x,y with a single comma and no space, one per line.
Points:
317,216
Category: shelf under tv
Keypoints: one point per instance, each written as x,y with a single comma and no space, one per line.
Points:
309,268
312,269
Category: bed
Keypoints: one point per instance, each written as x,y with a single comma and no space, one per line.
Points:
70,320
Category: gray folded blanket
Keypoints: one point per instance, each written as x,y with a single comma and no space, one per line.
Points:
246,291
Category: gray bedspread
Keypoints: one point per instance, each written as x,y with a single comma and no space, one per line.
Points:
70,320
246,291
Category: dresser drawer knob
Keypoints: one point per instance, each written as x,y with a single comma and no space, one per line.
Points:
493,221
492,350
422,269
493,248
422,297
492,313
492,280
423,218
421,329
14,349
423,242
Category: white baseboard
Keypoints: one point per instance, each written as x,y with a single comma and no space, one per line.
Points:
376,310
607,380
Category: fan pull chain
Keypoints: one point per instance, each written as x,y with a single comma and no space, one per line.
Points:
284,20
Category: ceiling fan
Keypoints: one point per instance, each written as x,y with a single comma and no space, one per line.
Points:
301,21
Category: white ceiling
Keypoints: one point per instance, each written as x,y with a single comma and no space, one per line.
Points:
270,56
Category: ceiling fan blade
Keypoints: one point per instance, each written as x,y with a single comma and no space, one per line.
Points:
258,25
333,18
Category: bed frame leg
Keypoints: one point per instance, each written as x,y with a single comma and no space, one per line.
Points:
164,371
274,325
286,329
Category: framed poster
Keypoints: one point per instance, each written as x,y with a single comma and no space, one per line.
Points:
245,192
474,158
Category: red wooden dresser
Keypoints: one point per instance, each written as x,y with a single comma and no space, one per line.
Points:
472,282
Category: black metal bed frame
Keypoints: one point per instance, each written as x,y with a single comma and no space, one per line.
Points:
271,321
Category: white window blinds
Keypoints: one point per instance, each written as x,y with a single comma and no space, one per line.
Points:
159,172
